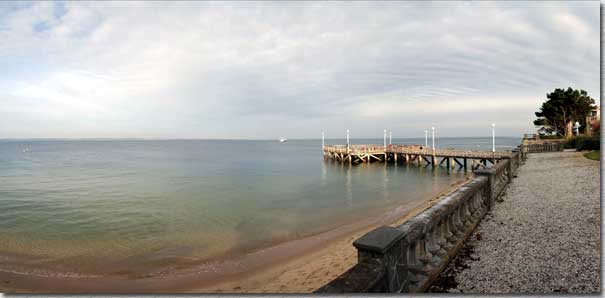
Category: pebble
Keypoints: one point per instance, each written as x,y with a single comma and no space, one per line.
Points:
543,237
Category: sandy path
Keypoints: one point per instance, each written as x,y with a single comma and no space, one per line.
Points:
542,237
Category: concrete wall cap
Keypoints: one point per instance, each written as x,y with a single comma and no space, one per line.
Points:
379,240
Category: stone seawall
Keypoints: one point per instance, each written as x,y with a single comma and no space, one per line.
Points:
409,257
543,237
538,146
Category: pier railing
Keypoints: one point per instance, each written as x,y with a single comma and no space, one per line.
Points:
367,149
354,149
531,136
409,257
449,152
414,150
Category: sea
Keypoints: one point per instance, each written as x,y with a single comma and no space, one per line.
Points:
94,207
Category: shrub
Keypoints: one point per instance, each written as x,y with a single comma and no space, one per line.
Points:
588,144
583,143
570,144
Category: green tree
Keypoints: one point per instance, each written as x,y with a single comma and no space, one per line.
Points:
562,109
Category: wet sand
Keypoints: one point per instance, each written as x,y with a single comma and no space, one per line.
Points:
315,268
298,266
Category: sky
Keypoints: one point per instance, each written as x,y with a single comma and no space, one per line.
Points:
265,70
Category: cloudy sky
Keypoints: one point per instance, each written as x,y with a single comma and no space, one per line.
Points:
266,70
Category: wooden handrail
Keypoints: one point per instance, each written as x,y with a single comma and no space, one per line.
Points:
416,150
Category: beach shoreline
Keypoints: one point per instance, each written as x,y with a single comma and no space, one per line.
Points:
314,269
297,266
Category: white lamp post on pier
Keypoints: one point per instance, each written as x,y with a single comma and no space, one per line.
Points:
390,138
433,129
323,140
426,138
347,139
494,137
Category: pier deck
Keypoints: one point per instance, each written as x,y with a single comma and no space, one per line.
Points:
413,154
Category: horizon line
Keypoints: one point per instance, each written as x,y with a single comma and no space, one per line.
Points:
230,139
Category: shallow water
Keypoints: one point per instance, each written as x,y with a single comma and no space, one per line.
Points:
111,206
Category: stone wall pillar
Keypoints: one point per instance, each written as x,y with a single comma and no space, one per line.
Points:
515,160
490,173
386,245
509,168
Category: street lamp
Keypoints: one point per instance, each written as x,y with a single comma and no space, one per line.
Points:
493,137
426,138
390,138
385,138
347,139
323,139
433,129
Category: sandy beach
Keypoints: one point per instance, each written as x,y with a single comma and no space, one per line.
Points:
298,266
313,269
226,147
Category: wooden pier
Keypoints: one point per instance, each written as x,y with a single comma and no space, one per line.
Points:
414,154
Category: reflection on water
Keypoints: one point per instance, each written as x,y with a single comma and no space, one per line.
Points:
324,174
349,191
385,182
80,205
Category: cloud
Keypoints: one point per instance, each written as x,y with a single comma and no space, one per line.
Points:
259,69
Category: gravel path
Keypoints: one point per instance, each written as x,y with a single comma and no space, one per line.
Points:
542,236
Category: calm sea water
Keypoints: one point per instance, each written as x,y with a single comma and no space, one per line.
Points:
80,206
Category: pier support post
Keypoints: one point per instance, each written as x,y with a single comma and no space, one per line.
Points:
458,162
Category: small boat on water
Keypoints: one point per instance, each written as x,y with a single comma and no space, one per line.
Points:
283,140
